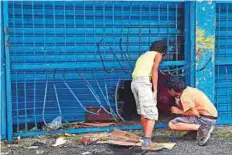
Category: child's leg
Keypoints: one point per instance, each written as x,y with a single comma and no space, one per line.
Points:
207,127
184,124
146,107
203,126
144,123
149,128
149,111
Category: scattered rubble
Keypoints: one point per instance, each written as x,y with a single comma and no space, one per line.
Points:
40,151
74,144
85,153
60,141
37,144
87,125
123,138
32,147
56,123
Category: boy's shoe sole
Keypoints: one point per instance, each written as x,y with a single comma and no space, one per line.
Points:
153,147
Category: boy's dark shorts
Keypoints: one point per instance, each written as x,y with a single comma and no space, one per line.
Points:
194,120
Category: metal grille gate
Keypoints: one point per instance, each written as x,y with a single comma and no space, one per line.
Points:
223,62
62,57
67,56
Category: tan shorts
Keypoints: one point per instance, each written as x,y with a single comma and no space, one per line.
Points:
144,98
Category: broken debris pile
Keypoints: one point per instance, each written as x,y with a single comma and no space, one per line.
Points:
123,138
87,125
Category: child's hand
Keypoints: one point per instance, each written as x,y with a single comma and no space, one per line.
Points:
176,110
155,94
177,100
178,103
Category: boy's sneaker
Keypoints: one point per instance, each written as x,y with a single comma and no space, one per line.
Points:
203,134
146,142
149,146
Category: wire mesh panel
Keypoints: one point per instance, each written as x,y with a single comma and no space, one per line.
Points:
223,55
69,56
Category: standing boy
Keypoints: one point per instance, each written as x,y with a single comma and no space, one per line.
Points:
145,76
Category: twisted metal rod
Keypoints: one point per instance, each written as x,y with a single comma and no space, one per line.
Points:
116,100
95,95
107,101
102,61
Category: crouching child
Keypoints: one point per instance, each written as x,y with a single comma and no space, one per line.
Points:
196,110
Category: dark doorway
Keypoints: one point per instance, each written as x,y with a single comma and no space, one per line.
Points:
164,100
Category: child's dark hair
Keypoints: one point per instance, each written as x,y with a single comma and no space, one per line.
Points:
176,83
159,46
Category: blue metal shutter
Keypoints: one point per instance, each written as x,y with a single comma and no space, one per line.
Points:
223,56
56,42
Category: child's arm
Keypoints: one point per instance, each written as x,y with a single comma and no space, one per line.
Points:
190,112
194,111
178,103
176,110
155,68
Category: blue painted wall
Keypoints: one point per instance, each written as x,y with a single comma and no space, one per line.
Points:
205,47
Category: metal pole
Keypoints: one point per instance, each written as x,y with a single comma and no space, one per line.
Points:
3,80
8,75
